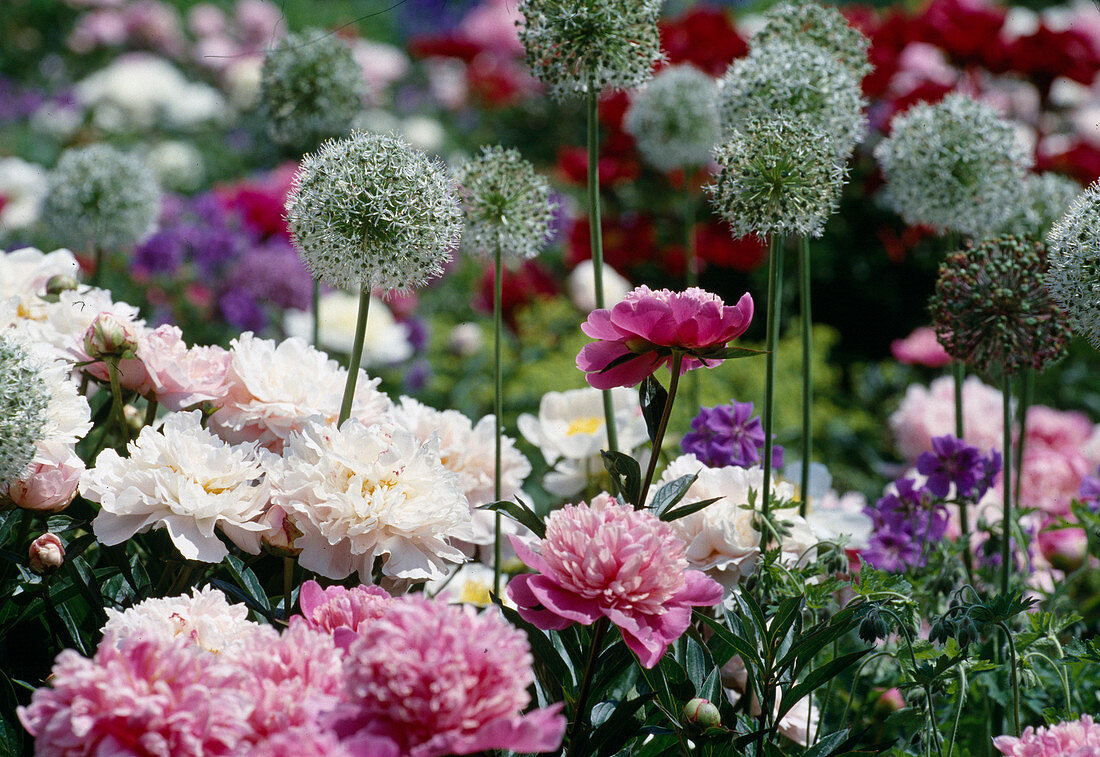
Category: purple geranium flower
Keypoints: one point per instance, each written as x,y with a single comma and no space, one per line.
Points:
728,435
953,461
1090,491
904,522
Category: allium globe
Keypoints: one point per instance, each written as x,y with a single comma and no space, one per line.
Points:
674,118
638,335
24,399
610,560
428,679
1073,275
1046,198
821,25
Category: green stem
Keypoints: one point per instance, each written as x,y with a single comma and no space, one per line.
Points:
595,229
356,355
586,683
807,371
1015,679
316,312
116,399
150,412
1006,525
288,586
659,437
181,580
498,405
958,710
1027,393
775,294
958,373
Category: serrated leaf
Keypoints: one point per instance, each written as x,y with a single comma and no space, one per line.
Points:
685,510
520,514
652,397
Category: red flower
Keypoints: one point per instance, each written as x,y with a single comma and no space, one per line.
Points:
524,285
262,201
628,241
1047,54
705,37
969,31
1080,160
715,245
573,167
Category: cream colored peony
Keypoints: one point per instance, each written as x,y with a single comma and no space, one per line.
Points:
359,493
385,341
185,479
273,388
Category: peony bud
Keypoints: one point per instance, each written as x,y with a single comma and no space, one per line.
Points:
702,714
47,487
279,539
60,283
110,336
46,554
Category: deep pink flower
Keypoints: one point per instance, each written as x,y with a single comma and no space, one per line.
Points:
920,348
610,560
339,611
140,697
1076,738
648,325
428,678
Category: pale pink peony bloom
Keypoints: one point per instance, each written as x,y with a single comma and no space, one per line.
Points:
281,536
338,611
610,560
493,23
143,697
920,348
179,376
48,486
428,678
647,323
926,412
46,554
1076,738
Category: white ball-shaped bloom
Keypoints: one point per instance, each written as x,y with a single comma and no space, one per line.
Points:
581,286
674,118
23,185
1073,274
359,493
385,341
274,388
185,479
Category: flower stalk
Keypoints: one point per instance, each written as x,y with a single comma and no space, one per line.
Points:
662,425
498,406
1006,523
598,632
775,294
807,370
356,355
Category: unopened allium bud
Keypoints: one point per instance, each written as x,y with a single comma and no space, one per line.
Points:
100,196
674,118
702,714
1046,198
581,46
821,25
777,177
954,166
311,89
1073,275
371,211
791,78
59,283
507,204
992,311
46,554
24,397
110,336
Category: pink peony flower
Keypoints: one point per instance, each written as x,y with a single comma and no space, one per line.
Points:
180,377
920,348
1064,548
636,336
47,486
926,412
428,678
143,697
341,612
610,560
1076,738
305,742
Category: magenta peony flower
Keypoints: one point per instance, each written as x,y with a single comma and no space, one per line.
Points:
920,348
429,679
141,697
610,560
1076,738
637,336
340,612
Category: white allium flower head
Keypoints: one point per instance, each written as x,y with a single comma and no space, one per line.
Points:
778,176
275,388
372,211
205,618
582,46
674,118
507,204
1073,264
183,478
821,25
361,493
788,78
24,401
312,88
100,196
954,166
1046,198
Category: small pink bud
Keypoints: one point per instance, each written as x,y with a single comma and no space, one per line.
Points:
46,554
47,487
110,336
702,714
279,539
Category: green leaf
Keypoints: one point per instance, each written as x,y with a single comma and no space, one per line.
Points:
520,513
737,643
671,493
827,744
786,614
652,397
727,353
626,473
684,510
11,732
815,678
618,728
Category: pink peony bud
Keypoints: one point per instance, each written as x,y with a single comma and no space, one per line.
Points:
47,487
1064,548
46,554
702,714
110,336
279,539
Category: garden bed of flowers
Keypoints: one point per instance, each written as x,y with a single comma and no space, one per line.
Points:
582,377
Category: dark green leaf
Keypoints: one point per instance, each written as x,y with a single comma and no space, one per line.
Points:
652,397
626,473
828,744
684,510
729,353
247,580
620,360
618,728
739,645
237,593
520,514
11,732
672,492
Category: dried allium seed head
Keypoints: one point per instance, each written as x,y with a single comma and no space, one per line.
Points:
674,118
1073,275
992,311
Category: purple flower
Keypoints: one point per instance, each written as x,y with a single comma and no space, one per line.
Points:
240,310
953,461
892,550
905,522
728,435
161,253
273,273
1090,491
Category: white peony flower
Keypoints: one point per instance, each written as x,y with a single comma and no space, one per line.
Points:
582,286
360,493
186,480
836,515
385,341
469,450
570,431
24,273
22,185
206,618
275,387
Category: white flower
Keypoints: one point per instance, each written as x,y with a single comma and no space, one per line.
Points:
186,480
206,618
178,165
24,273
835,515
275,388
60,325
360,493
22,185
469,451
385,342
581,285
570,428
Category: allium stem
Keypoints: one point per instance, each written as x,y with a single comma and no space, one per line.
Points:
356,354
1027,394
116,398
775,294
1006,524
498,405
958,371
316,312
150,412
598,632
288,586
595,229
662,426
807,370
690,260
